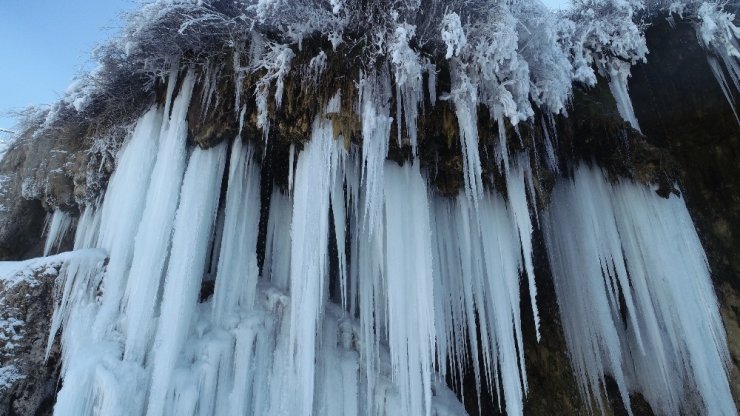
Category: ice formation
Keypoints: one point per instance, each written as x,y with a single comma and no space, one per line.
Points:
375,292
635,296
57,229
717,32
272,345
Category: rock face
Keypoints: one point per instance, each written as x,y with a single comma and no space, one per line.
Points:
690,135
28,381
38,174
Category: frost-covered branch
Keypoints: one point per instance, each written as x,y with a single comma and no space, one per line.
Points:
516,55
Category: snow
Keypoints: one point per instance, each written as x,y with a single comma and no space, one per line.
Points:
453,34
520,55
16,278
274,59
13,272
9,374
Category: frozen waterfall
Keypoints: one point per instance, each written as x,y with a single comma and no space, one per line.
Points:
375,293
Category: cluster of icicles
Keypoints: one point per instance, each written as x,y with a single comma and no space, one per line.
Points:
420,281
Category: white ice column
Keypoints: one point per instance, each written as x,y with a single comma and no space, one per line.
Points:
635,295
411,333
193,230
154,232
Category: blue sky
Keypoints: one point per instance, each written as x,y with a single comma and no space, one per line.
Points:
44,43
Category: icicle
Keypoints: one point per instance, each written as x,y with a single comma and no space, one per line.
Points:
192,232
618,75
78,270
87,228
502,264
238,351
291,165
80,277
209,79
122,210
719,75
410,286
277,250
315,174
367,295
717,33
154,231
515,182
237,261
477,262
431,71
57,230
584,209
95,364
552,159
170,95
465,97
375,97
502,150
338,375
456,290
339,216
611,242
409,86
